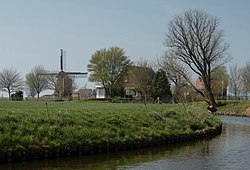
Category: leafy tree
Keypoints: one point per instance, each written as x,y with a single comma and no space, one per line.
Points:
37,80
106,66
195,40
10,81
161,86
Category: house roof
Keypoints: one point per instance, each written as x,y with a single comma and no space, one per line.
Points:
137,75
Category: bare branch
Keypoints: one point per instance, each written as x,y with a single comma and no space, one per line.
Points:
195,40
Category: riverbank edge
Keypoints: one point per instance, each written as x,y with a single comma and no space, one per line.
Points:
40,153
232,114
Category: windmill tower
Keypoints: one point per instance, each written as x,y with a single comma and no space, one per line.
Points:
64,80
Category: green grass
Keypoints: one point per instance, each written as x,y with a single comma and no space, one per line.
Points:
229,107
234,106
28,124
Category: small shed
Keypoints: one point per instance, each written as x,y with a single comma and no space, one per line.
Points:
100,92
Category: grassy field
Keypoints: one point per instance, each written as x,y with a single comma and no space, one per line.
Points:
32,124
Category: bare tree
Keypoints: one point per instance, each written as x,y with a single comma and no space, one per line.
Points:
52,84
142,62
10,81
220,82
235,81
178,73
63,85
195,40
245,79
37,80
144,76
30,93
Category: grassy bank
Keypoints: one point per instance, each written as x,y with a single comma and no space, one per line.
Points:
32,126
228,107
234,108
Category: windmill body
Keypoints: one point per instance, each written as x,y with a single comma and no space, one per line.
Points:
63,86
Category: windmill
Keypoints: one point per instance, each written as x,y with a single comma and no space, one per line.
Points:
64,80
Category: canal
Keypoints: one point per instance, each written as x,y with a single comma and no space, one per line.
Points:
230,150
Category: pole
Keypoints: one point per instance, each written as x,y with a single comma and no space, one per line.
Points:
222,91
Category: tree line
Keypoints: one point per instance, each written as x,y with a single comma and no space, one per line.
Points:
195,48
36,81
239,81
111,68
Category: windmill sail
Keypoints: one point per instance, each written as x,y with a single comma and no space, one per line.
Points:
64,82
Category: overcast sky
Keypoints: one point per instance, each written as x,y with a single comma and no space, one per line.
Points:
32,32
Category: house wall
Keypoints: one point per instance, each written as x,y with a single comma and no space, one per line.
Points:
199,84
133,79
100,93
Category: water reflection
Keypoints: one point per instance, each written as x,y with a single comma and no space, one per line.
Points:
121,160
228,151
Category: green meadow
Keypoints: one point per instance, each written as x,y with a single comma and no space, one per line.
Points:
32,124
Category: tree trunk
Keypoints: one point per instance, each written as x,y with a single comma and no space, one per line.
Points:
9,95
211,99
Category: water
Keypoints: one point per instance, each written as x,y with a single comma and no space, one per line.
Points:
228,151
